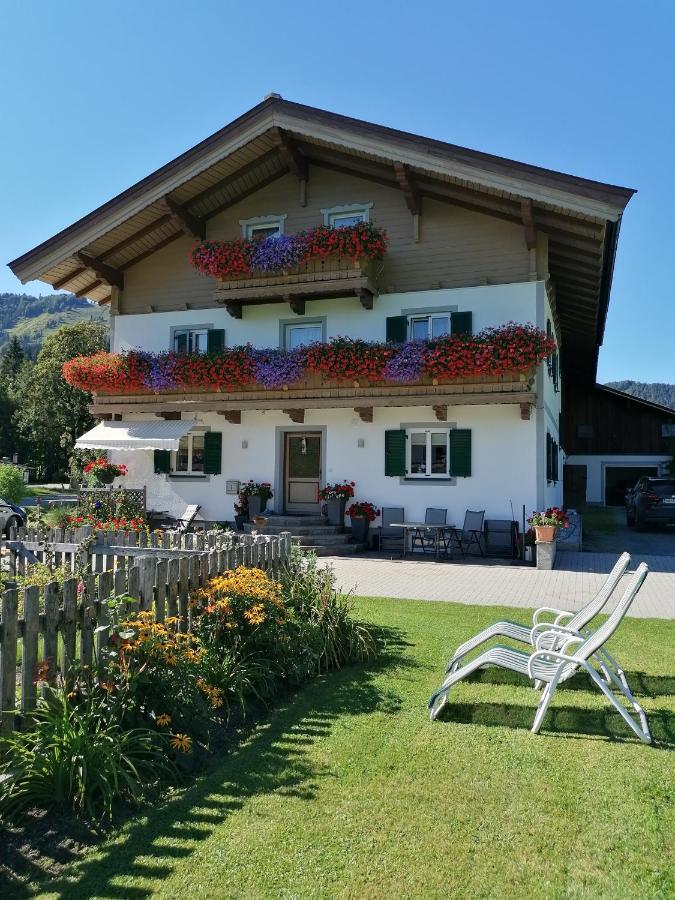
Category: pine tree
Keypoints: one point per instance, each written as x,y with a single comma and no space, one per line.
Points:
11,359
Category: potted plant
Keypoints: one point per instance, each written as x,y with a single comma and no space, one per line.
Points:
336,496
105,472
546,524
362,514
253,498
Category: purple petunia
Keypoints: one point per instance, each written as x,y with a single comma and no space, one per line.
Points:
276,253
408,364
159,376
277,368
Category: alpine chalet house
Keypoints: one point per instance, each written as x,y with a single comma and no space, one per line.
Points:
304,298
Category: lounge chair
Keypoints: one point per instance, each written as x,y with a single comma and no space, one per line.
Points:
426,539
470,534
181,524
552,667
393,537
528,634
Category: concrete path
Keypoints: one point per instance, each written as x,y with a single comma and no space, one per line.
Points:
573,582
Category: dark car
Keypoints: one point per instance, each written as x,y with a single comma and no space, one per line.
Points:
11,516
651,502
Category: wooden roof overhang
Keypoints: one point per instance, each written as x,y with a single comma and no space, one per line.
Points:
362,398
580,217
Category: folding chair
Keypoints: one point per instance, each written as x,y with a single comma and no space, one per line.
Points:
425,539
470,533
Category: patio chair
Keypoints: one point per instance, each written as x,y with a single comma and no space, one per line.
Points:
425,539
470,534
526,634
553,667
392,537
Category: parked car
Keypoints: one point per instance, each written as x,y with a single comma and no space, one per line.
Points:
11,516
651,502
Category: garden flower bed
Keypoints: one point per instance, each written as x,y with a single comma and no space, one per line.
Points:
512,349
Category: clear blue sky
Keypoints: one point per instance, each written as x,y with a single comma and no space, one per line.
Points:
94,96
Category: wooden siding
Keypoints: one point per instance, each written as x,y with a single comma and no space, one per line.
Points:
612,424
457,247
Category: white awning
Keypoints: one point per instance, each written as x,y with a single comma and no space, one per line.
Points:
142,435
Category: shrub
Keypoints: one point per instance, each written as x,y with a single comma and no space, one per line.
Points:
57,516
12,487
79,756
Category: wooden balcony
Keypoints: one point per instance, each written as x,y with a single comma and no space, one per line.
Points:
316,392
336,276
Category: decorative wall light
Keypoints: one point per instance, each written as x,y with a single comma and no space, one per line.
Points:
361,443
244,445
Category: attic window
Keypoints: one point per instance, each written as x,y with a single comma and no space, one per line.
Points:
262,226
344,216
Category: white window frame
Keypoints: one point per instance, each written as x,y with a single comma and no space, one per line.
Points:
258,223
310,323
428,316
426,476
189,472
348,209
190,331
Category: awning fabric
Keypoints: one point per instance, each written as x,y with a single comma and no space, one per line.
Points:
142,435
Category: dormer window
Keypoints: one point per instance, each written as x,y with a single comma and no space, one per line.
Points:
344,216
262,227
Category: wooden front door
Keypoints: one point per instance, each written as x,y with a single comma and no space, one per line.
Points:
302,471
574,486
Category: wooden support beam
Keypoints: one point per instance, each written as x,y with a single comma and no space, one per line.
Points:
365,413
170,415
185,220
233,177
366,298
295,161
295,415
113,277
413,198
90,287
525,410
297,305
62,282
234,308
527,216
441,413
233,416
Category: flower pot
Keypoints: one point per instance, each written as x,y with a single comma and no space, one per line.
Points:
254,506
545,533
335,510
105,477
360,526
260,521
239,522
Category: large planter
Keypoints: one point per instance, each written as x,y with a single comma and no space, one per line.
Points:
239,522
335,511
254,506
545,533
360,526
105,477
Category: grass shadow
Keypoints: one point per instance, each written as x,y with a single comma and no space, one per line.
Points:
641,684
271,757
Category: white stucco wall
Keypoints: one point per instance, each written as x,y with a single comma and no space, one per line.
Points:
491,305
597,463
503,462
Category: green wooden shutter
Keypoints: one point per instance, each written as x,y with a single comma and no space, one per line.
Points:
215,340
213,451
394,452
462,323
460,452
162,462
397,329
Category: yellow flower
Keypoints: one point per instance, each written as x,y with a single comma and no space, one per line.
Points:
255,615
163,719
107,686
72,695
170,659
181,742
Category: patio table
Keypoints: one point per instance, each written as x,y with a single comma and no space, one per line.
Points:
422,526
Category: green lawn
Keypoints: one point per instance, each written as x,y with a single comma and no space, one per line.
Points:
600,518
349,791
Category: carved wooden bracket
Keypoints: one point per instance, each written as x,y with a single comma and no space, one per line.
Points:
441,413
185,220
525,410
234,308
297,305
527,215
295,415
108,274
366,298
365,413
233,416
170,416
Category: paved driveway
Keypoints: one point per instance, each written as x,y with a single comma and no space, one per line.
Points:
576,578
655,542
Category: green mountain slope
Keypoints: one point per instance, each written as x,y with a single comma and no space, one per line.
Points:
656,392
32,319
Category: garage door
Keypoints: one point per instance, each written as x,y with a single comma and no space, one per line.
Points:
618,479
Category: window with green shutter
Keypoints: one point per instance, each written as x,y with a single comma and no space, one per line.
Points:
162,462
394,452
215,340
462,323
397,329
213,452
460,452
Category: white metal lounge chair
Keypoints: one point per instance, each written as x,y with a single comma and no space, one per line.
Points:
552,667
526,634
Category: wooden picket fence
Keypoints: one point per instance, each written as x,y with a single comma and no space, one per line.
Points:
60,623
